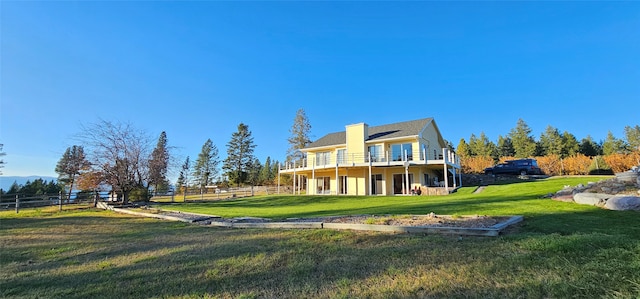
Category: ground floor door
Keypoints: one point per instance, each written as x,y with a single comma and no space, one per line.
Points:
400,182
323,185
342,184
376,184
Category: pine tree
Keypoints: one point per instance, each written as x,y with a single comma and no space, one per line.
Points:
613,145
523,143
183,178
159,163
505,147
463,149
2,154
299,138
239,155
253,176
632,135
205,171
265,172
589,148
570,145
482,146
551,142
72,163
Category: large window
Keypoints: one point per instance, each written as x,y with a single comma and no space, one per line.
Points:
323,158
323,185
376,153
398,152
342,156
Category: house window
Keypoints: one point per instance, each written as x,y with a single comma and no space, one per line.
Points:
323,185
376,153
342,156
323,158
398,151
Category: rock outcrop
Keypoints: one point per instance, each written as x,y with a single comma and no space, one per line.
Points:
623,203
620,193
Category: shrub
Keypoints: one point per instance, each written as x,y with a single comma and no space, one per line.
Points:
476,164
621,162
139,194
577,164
550,164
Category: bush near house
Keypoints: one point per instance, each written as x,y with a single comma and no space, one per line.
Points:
553,165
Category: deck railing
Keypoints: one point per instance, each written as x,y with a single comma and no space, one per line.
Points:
352,159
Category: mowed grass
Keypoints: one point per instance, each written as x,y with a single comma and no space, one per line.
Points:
561,250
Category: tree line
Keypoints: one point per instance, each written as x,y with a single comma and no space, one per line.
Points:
35,187
557,152
121,157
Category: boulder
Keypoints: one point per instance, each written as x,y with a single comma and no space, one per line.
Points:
627,177
593,199
623,203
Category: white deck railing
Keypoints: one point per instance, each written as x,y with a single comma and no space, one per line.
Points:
363,159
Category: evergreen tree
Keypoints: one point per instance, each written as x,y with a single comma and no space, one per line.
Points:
551,142
613,145
71,165
2,154
589,148
253,175
183,178
482,146
274,171
15,188
205,171
524,145
505,147
299,137
239,155
632,135
159,163
265,172
570,145
463,149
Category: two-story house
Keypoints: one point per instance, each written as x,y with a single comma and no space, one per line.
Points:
389,159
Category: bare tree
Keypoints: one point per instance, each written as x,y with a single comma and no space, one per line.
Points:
120,152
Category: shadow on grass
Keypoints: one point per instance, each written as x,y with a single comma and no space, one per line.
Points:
111,256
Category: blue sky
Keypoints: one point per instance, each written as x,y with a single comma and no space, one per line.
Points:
196,69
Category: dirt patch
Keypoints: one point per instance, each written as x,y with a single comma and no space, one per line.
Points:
423,220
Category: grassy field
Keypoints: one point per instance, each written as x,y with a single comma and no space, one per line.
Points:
561,250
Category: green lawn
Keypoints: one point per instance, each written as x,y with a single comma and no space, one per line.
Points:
561,250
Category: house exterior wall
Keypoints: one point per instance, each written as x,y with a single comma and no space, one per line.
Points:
356,136
356,169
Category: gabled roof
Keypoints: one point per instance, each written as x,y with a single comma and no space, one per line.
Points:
396,130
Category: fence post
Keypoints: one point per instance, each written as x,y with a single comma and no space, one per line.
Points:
17,204
60,201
